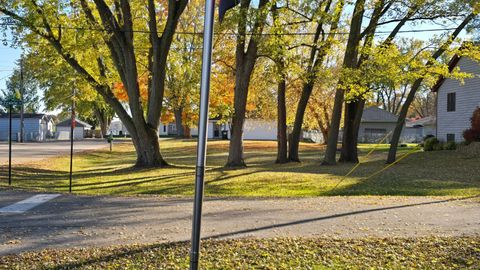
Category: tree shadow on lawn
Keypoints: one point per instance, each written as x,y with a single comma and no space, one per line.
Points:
422,173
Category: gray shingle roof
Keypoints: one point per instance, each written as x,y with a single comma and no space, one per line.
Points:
374,114
25,115
67,123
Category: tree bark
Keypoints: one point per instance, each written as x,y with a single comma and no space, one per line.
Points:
178,122
349,61
235,154
294,138
282,150
147,148
353,116
244,64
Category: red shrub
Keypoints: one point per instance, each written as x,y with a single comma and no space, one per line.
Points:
469,135
473,133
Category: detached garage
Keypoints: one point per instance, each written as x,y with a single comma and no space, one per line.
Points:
64,127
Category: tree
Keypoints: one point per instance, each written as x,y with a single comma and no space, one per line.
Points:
245,58
405,12
473,133
349,61
392,153
112,34
327,18
31,100
183,70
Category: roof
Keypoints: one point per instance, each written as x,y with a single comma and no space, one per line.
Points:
451,65
425,121
68,123
375,114
25,115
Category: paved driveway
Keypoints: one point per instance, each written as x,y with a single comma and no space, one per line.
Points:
82,221
27,152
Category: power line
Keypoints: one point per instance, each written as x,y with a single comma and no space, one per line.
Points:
224,33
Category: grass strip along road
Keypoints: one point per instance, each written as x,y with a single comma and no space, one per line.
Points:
439,173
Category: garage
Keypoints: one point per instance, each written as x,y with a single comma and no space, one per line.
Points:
64,127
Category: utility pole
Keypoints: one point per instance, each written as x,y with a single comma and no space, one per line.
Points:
22,107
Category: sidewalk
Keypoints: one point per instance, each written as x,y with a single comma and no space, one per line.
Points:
80,221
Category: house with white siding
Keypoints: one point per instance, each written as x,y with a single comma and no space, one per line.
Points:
456,101
64,128
36,127
253,129
117,128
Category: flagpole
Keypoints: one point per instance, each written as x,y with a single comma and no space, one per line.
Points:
202,132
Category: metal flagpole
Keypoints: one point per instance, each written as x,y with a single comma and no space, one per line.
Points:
72,130
10,145
202,132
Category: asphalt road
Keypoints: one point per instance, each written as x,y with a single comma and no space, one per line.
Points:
28,152
82,221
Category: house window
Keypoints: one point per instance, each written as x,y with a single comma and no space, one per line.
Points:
451,100
164,128
450,137
375,131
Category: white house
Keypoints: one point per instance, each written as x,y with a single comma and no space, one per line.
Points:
64,127
253,129
456,101
117,128
37,127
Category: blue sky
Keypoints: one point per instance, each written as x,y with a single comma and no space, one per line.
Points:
8,56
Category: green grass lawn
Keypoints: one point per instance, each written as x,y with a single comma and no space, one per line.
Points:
442,173
397,253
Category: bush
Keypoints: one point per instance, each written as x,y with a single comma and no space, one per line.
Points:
438,147
428,137
430,143
450,146
473,133
470,135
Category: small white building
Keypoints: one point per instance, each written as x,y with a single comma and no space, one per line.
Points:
253,129
64,128
420,128
456,101
117,128
37,127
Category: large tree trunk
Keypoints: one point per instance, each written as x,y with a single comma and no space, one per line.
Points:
147,148
178,122
235,154
187,132
353,116
282,150
102,118
244,64
294,139
332,138
349,61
